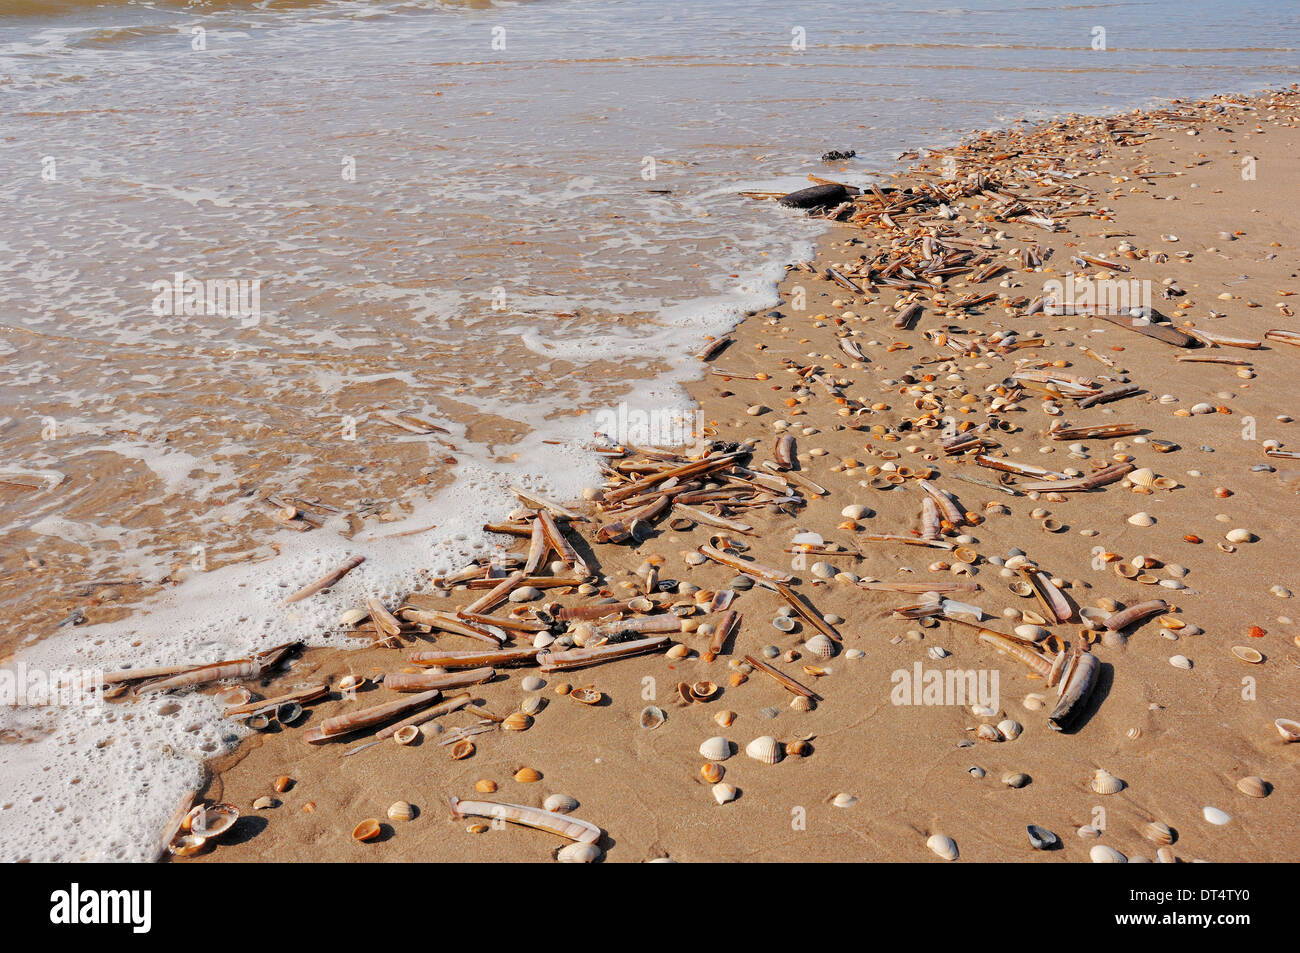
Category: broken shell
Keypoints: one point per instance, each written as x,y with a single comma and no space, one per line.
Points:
725,718
1104,854
652,717
724,792
1034,702
588,696
1158,833
1253,786
350,683
528,776
578,854
1103,782
942,846
764,748
517,721
406,734
1288,729
820,645
265,802
1247,654
716,748
401,811
799,748
368,829
711,772
1215,816
560,803
462,750
353,616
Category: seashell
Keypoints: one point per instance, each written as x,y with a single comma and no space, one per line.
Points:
265,802
288,713
353,616
1103,782
533,684
367,830
1158,833
528,776
652,717
406,734
716,748
1142,519
764,748
724,792
1040,838
844,800
1016,780
942,846
213,820
855,511
401,811
525,594
186,845
1034,702
1288,729
462,749
799,749
1035,633
350,683
1021,588
1240,536
1254,786
678,651
532,705
517,721
560,803
821,645
233,695
988,733
976,772
703,690
784,623
823,570
258,722
965,555
1134,733
282,784
712,773
1143,476
1165,856
1247,654
579,854
588,696
1216,816
1088,831
1180,661
1104,854
801,703
1010,729
485,786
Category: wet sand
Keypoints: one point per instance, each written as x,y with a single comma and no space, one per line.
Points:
1179,738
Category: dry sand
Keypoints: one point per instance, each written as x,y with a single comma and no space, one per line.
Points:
1180,739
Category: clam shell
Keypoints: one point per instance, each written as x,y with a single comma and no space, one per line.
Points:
282,783
823,570
943,846
703,690
1040,838
462,749
652,717
406,734
1015,780
988,733
1034,702
1215,816
724,792
1253,786
764,748
186,845
1103,782
560,803
1240,536
579,854
1180,661
1010,729
213,820
712,772
784,623
820,645
588,696
1158,833
288,713
1104,854
1247,654
516,721
844,800
532,683
1035,633
725,718
528,775
716,748
350,683
532,705
1288,729
401,811
368,829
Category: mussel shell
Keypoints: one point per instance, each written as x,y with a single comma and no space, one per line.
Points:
1040,838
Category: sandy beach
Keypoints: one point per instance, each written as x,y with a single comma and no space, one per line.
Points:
926,333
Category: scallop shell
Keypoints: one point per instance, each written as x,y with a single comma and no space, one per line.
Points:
764,748
820,645
711,772
401,811
942,846
1103,782
1104,854
1010,729
1253,786
652,717
1215,816
368,829
560,803
716,748
1158,833
406,734
579,854
516,721
724,792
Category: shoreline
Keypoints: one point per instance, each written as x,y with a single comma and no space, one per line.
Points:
757,825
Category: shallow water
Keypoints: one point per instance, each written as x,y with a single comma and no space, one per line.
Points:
506,217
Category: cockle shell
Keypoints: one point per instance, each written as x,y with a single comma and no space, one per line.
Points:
716,748
400,811
578,854
1143,476
652,717
1158,833
1253,786
368,829
801,703
527,775
1104,854
560,803
764,748
1141,519
1103,782
516,721
724,792
820,645
943,846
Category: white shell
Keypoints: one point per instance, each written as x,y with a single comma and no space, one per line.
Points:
560,803
716,748
1142,519
943,846
854,511
823,570
1103,782
1035,633
578,854
1180,661
764,748
533,684
1010,729
844,800
1216,816
1241,536
1103,854
525,594
724,792
820,645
